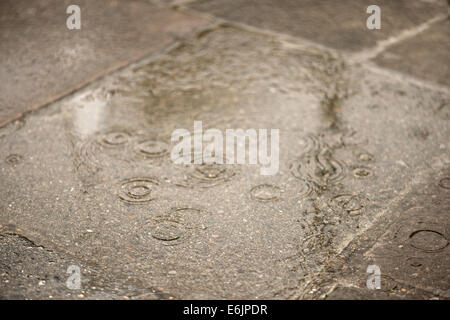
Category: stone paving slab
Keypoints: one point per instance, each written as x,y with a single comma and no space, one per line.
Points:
425,55
353,141
42,60
30,271
338,24
356,293
411,248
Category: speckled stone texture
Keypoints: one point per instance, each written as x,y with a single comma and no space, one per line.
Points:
364,171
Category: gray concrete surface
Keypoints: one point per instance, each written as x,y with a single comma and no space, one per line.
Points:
424,56
338,24
410,245
42,60
30,271
364,174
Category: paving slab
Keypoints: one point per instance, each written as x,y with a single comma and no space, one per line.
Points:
30,271
424,56
91,174
356,293
338,24
41,59
411,248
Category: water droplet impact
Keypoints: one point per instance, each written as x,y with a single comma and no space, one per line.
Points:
306,188
93,154
86,162
265,192
168,230
445,183
415,262
13,159
309,144
152,148
351,204
428,240
207,175
137,190
365,157
321,167
113,138
362,172
210,172
175,226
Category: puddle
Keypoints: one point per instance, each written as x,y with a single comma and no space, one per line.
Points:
99,160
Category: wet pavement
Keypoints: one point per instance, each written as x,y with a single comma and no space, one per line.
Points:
42,60
338,24
410,243
363,180
424,56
